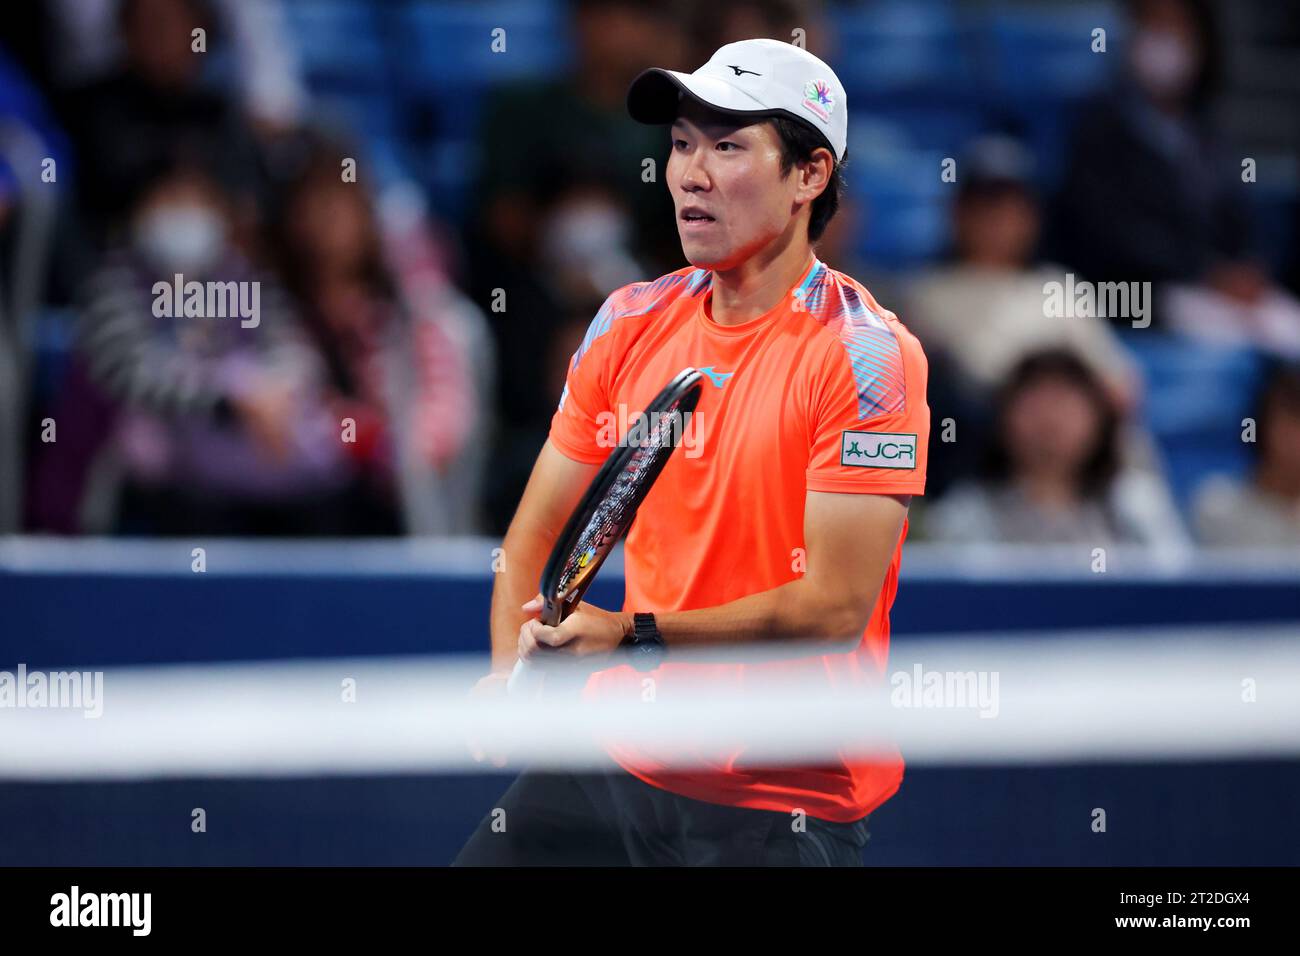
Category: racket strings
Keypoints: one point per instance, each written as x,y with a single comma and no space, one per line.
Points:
610,517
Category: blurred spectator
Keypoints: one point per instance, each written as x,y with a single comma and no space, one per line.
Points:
568,337
540,137
217,427
266,65
1148,193
1151,193
560,215
585,246
1053,474
62,43
726,21
397,340
153,106
986,307
1265,509
29,139
562,165
71,43
983,311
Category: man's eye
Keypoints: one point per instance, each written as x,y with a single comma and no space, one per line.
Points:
727,146
679,144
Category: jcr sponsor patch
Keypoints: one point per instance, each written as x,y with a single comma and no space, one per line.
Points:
878,449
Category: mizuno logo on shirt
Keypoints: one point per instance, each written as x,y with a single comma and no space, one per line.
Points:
878,449
717,378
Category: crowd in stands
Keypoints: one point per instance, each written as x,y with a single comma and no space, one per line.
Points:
396,370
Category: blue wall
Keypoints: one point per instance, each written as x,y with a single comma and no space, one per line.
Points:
54,619
1170,814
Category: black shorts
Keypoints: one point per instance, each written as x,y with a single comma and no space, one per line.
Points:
612,818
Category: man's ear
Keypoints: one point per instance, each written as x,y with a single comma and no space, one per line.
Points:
816,172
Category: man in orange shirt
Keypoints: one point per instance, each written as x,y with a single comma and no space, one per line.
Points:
783,521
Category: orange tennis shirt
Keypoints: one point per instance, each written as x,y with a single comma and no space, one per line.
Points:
825,392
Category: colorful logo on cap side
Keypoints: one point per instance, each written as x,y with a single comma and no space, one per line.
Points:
817,97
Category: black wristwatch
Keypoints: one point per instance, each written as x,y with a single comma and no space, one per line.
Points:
645,646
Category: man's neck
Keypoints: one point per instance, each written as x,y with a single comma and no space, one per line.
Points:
756,285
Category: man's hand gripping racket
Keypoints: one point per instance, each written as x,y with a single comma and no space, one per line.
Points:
606,511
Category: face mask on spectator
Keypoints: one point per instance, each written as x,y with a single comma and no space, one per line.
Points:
1163,62
185,238
586,230
589,238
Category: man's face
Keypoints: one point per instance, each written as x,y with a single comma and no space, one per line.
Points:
727,187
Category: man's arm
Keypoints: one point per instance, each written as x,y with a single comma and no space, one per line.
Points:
850,541
556,485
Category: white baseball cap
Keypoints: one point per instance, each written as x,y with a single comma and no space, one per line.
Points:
751,78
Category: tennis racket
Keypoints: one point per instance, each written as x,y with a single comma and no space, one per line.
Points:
607,509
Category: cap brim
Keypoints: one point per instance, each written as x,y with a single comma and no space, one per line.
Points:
656,94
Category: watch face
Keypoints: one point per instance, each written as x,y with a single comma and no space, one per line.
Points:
647,656
646,645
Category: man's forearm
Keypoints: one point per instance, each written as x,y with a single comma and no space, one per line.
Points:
796,611
523,554
553,490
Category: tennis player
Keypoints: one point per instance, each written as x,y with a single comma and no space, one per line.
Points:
785,523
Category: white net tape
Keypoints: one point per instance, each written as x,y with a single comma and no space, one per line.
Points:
1141,695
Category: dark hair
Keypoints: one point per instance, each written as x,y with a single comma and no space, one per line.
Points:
798,140
175,162
1279,388
316,166
1103,464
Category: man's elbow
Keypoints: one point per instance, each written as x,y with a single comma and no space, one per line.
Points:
842,622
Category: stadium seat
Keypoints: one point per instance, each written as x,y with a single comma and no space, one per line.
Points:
444,64
338,40
1197,396
904,201
1038,54
445,49
904,220
927,125
888,48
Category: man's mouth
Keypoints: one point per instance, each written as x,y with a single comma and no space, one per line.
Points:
696,216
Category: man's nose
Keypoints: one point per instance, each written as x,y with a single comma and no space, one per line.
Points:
693,175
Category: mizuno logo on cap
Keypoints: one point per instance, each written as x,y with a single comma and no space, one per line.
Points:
740,71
